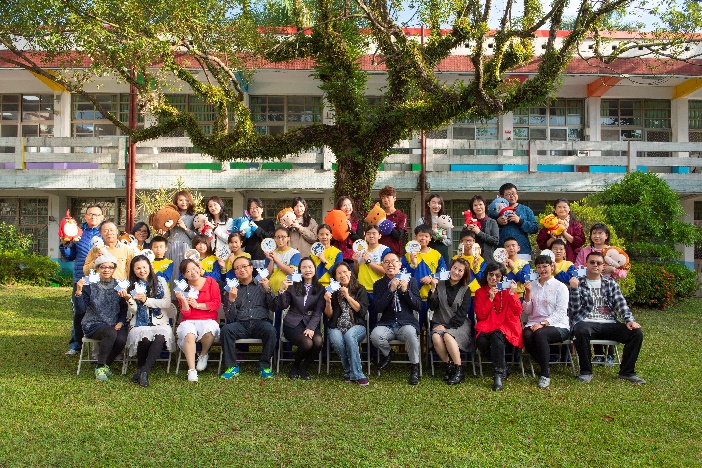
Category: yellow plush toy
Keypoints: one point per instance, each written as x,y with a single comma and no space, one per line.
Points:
375,215
554,226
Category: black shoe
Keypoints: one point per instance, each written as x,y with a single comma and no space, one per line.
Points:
303,374
135,379
144,379
497,380
450,370
457,377
294,373
384,361
414,374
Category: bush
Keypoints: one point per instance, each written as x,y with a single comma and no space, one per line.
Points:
12,238
27,268
64,278
661,284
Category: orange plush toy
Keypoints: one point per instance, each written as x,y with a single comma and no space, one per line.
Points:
616,257
375,215
69,231
336,219
554,226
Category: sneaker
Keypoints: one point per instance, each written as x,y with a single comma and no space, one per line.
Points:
72,352
266,372
610,361
192,375
598,360
363,382
108,371
544,382
231,372
101,374
347,379
632,378
584,377
202,362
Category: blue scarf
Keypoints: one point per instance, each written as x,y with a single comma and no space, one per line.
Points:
144,314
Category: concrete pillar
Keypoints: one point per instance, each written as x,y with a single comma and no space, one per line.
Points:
688,252
593,129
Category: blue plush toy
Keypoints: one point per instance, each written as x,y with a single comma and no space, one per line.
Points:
242,225
499,207
385,227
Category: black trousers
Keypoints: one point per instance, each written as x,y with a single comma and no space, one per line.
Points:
537,345
307,348
583,332
148,352
493,344
112,343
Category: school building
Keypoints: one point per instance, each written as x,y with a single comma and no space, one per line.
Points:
637,113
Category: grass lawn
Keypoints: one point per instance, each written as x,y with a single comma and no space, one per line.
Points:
51,417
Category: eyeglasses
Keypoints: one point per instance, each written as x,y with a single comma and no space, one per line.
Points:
239,268
281,237
93,215
497,275
106,267
390,262
510,194
143,231
595,263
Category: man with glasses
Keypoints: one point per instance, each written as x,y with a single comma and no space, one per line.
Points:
76,252
600,312
396,302
250,304
110,235
519,224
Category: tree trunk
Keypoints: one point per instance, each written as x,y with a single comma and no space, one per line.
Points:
355,178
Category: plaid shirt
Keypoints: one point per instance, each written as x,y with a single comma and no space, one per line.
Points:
582,302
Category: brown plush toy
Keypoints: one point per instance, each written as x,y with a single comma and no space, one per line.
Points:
165,218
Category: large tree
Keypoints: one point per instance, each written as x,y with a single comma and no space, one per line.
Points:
154,44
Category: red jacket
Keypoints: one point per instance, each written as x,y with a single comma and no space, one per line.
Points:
575,229
502,314
210,296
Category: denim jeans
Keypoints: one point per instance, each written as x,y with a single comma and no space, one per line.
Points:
346,346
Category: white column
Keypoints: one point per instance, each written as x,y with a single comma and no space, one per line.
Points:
688,252
593,129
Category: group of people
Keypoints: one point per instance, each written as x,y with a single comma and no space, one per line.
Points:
478,298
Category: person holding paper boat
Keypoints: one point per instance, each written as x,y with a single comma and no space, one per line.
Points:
324,255
281,261
305,297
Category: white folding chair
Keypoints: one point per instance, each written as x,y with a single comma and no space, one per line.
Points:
87,351
397,344
606,344
365,341
569,360
281,353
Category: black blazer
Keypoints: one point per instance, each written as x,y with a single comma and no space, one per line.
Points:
310,315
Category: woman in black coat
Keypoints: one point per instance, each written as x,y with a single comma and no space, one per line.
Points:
301,323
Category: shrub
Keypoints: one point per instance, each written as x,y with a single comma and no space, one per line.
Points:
12,238
64,278
27,268
661,284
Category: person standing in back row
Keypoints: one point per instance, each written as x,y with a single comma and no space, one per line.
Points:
519,224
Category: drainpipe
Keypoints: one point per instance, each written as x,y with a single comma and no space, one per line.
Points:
131,162
423,145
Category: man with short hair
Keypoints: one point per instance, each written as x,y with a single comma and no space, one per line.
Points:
250,305
388,197
110,235
519,224
76,252
396,301
600,312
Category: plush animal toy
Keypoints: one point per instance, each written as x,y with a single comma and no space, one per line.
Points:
375,215
130,241
244,226
499,207
336,219
385,227
99,244
165,219
553,224
69,231
286,216
616,257
445,222
203,226
469,219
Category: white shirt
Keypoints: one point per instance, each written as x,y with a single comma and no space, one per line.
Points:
548,302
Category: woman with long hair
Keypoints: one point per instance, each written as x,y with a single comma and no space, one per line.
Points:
573,234
345,204
214,210
180,236
441,237
303,230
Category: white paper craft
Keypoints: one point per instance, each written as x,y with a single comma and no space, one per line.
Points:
533,276
268,245
139,288
549,253
149,254
223,252
442,275
180,285
413,247
231,283
317,248
476,250
581,272
122,284
460,250
295,277
334,286
192,292
360,245
500,255
504,285
262,273
404,276
192,254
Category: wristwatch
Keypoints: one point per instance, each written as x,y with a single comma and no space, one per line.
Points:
368,261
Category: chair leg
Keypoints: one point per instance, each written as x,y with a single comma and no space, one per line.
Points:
80,357
180,356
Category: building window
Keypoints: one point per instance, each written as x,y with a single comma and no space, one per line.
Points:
695,125
636,120
273,115
561,120
87,121
113,209
26,115
31,216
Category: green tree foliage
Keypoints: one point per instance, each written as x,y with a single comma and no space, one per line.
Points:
156,45
12,239
646,212
150,201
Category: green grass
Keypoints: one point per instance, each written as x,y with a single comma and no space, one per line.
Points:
51,417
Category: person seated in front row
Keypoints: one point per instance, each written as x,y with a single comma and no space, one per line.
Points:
600,312
395,301
248,314
301,323
451,330
104,314
546,309
498,320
